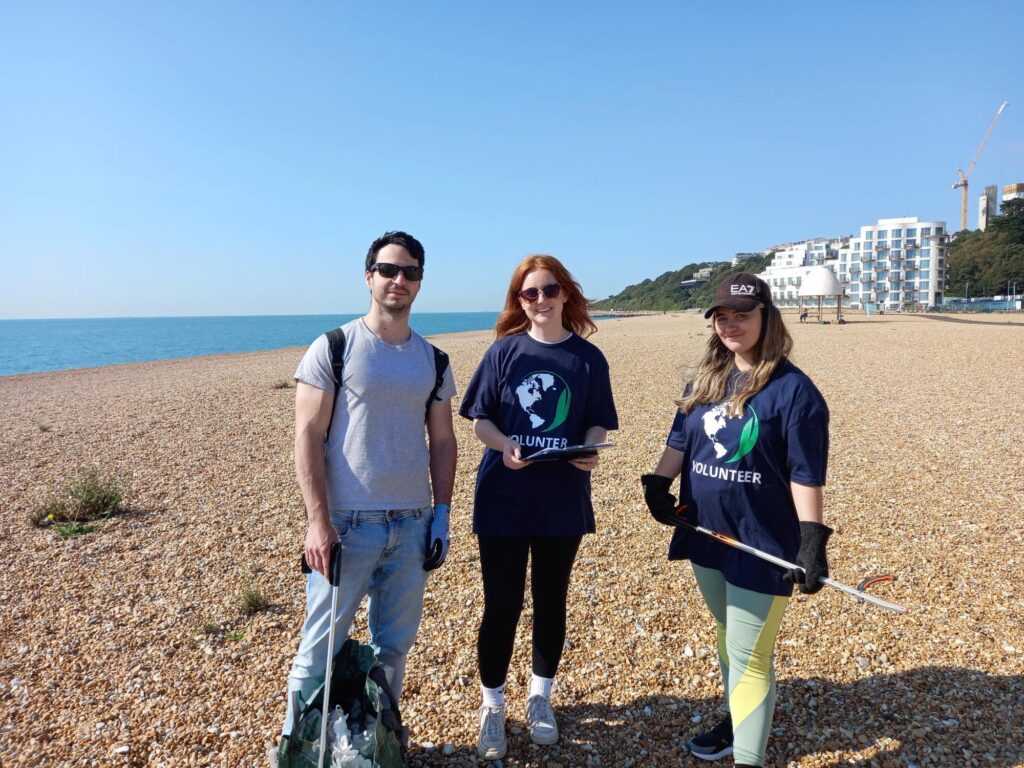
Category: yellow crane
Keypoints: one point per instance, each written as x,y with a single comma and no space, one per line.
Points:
962,183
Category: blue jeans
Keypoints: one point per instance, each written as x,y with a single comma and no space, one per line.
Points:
382,555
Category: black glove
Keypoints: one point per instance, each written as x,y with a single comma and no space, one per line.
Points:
660,501
813,540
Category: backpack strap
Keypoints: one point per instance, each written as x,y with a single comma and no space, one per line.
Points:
440,366
336,353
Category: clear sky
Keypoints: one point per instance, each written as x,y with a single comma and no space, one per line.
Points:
194,158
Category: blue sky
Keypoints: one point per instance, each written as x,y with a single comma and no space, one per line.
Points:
195,158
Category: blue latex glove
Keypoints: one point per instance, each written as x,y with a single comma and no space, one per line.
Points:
437,538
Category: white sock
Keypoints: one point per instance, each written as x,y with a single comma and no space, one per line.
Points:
541,686
494,697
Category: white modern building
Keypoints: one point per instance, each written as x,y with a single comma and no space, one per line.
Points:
895,264
791,263
1013,192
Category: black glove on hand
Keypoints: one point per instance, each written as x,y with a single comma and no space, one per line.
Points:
813,540
660,501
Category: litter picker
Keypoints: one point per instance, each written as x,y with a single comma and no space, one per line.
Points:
858,593
334,574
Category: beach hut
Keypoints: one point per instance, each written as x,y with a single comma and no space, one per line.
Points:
821,282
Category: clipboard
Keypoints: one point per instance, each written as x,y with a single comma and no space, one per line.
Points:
569,452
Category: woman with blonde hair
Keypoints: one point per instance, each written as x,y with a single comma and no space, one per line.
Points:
540,385
750,439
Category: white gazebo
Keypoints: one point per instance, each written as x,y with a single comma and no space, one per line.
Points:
821,282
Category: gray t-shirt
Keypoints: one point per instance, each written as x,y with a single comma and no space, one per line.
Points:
377,457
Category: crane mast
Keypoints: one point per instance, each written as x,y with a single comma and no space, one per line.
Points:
962,177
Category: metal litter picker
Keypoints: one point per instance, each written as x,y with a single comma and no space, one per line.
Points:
859,594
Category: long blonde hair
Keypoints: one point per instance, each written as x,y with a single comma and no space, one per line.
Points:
711,380
575,314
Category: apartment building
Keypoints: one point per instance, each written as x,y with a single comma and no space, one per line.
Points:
895,264
791,263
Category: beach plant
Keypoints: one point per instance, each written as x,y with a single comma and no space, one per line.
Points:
67,530
45,427
283,384
253,600
209,627
234,636
88,494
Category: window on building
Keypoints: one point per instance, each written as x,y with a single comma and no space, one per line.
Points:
926,252
938,230
897,233
896,243
925,263
924,274
925,231
911,233
869,235
882,234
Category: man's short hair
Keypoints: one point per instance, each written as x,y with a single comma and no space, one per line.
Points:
404,239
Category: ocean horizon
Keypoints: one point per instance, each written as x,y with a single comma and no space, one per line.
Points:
60,344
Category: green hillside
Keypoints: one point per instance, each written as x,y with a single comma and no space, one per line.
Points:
988,260
664,293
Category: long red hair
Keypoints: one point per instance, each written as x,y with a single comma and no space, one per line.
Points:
575,314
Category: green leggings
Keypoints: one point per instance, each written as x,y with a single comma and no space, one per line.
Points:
747,625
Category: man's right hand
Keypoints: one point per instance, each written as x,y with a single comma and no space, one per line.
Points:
320,537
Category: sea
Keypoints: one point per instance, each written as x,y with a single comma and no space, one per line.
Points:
34,346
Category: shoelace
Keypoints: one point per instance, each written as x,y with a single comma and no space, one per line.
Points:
492,721
540,712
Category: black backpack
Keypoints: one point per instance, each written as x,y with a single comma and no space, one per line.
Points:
336,347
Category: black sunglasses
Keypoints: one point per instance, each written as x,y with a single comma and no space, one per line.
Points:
530,295
390,271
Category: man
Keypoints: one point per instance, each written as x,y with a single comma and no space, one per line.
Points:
363,464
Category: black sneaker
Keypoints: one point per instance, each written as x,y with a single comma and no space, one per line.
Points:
715,743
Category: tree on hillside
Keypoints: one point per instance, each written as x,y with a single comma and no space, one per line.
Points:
666,292
989,260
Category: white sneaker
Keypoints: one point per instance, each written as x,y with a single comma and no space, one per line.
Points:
492,744
540,719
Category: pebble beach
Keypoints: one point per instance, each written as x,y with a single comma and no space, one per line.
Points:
127,646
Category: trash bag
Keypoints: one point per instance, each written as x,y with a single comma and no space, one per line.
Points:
369,709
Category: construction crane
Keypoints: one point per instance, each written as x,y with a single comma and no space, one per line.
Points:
962,183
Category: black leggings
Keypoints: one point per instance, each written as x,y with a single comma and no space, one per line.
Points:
503,562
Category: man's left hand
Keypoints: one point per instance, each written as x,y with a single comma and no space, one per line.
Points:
437,538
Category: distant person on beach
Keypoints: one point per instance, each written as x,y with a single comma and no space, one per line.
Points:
751,439
803,316
368,477
540,385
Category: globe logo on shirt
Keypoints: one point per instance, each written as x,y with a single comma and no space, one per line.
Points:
714,423
545,399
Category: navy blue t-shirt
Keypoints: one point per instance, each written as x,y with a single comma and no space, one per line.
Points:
739,469
542,396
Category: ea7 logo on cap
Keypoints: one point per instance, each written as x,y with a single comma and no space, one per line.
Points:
742,290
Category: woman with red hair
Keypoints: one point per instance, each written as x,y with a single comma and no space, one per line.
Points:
540,385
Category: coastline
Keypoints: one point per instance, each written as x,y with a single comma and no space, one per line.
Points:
924,482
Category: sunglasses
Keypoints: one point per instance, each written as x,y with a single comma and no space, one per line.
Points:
530,295
390,271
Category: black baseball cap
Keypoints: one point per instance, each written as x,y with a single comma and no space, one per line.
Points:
742,292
